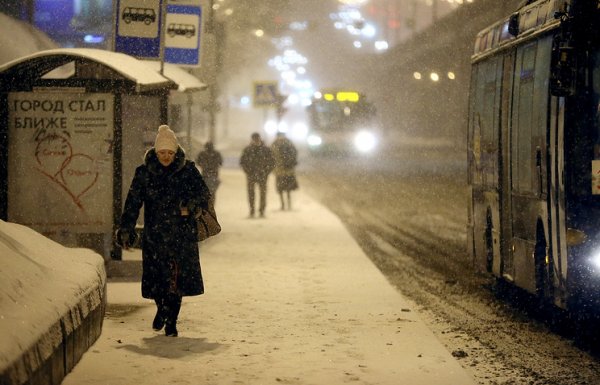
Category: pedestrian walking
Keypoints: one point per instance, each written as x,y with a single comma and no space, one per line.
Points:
210,160
173,192
257,162
286,160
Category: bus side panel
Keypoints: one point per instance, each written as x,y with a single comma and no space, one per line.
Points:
476,219
484,146
508,70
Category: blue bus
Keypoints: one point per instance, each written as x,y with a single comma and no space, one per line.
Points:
534,152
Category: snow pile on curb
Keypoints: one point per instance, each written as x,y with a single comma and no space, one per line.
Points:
52,302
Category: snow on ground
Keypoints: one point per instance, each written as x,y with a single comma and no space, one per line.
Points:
40,282
289,299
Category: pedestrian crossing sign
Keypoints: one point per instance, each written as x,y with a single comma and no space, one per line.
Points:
265,94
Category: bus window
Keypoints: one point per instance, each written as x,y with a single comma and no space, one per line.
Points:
523,149
489,128
540,111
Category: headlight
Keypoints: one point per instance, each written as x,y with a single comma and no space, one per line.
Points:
365,141
314,140
595,261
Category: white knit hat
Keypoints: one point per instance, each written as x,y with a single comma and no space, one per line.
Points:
166,139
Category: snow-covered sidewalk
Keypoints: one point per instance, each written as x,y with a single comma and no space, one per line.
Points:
289,299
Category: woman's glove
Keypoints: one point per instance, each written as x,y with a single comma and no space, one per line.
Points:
124,238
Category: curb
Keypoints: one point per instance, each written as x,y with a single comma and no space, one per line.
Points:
59,348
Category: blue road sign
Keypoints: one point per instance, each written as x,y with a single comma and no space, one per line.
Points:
265,94
183,33
138,28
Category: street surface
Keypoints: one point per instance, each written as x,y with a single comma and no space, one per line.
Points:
289,300
408,210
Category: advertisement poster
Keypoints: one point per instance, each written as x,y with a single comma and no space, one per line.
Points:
60,161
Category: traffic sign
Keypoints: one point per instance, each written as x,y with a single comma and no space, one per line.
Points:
139,28
265,94
183,32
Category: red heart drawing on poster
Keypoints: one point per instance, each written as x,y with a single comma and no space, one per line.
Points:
79,174
74,173
52,153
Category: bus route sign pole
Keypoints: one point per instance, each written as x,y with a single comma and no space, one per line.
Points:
184,32
139,28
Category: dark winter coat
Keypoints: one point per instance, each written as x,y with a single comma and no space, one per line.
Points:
210,161
257,161
286,159
170,255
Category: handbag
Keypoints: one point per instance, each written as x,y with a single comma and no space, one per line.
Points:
207,223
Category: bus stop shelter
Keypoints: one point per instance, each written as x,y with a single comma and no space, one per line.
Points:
72,121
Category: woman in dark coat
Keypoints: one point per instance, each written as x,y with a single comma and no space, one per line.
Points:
286,160
172,192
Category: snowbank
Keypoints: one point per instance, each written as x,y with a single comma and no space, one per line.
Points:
52,302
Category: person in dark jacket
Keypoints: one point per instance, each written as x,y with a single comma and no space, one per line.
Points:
257,162
172,191
210,160
286,160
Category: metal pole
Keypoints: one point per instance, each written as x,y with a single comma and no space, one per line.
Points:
189,125
163,21
211,90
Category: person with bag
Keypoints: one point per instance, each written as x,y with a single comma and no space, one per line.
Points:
257,162
173,194
286,160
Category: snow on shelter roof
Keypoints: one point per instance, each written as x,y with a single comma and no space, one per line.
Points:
144,76
184,80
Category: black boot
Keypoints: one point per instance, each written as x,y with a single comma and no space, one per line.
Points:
171,329
159,320
173,305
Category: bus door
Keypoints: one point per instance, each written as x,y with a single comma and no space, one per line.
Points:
528,174
508,68
556,195
527,141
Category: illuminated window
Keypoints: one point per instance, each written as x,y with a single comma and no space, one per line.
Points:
347,96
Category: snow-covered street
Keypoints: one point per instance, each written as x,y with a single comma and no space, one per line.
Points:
409,217
289,299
